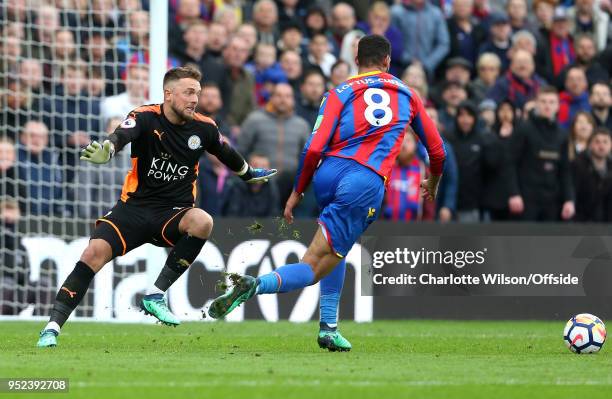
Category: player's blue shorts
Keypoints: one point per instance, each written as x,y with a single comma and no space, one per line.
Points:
350,197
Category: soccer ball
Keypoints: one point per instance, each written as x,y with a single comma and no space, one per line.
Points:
584,333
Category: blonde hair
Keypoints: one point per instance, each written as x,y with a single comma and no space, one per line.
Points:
488,58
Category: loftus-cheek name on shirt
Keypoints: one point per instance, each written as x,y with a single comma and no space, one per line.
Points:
369,81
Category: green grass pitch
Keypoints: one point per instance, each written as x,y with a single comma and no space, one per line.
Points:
390,359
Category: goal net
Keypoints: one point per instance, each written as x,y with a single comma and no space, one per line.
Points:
70,72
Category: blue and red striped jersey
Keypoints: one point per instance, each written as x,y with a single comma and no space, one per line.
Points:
365,119
403,200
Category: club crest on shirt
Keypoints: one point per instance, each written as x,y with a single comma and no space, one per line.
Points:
194,142
128,123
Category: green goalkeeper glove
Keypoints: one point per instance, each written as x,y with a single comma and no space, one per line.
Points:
96,153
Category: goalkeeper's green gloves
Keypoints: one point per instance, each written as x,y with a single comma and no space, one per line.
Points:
98,153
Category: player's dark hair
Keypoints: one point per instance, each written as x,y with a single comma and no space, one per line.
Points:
182,73
372,50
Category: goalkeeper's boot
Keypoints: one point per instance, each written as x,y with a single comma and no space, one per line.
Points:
333,341
244,289
155,305
47,339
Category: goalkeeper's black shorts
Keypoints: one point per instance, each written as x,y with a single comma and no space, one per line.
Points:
126,226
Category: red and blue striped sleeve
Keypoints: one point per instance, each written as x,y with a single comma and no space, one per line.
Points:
323,130
428,134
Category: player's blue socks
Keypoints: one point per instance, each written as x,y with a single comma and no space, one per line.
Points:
286,278
331,289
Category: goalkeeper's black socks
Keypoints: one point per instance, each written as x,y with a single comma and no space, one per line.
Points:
71,293
181,257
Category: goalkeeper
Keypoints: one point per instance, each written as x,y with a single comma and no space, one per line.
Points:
157,199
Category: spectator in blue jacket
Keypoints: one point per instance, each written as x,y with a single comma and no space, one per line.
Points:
38,166
424,32
379,23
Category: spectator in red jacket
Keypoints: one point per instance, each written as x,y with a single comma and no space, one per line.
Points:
556,48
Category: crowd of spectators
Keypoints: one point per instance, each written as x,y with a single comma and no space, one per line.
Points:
519,90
